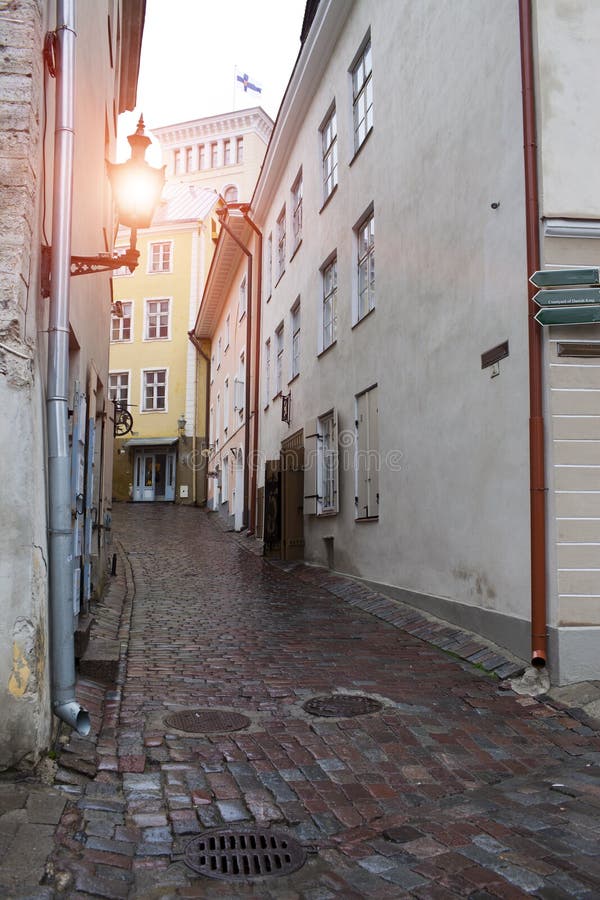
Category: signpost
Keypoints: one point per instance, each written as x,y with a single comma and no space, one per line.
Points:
568,305
568,315
560,277
568,297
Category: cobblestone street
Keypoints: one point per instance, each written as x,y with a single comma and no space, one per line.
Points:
454,788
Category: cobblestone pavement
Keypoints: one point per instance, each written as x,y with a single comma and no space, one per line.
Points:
455,788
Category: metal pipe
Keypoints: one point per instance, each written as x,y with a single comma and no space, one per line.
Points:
536,417
257,348
60,535
221,214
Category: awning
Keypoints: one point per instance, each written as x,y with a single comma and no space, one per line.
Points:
151,442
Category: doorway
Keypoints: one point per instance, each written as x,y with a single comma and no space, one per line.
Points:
154,476
292,497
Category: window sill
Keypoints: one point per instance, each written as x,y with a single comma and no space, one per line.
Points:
365,519
296,248
359,149
294,378
279,277
327,512
243,315
328,198
326,349
162,272
362,318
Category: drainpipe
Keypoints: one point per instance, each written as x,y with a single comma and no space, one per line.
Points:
253,471
221,214
198,347
60,535
536,419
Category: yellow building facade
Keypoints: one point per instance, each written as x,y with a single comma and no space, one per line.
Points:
156,374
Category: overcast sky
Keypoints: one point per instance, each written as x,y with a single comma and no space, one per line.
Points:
190,51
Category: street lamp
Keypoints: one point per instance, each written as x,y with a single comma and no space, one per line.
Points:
136,188
181,423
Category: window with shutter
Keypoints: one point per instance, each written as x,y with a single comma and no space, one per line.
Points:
310,467
367,460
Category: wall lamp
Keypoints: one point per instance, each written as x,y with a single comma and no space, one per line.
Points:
136,188
181,423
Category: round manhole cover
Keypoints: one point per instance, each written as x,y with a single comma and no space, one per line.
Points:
203,721
239,854
342,705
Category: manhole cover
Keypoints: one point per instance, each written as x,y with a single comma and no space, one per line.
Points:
244,853
201,721
343,705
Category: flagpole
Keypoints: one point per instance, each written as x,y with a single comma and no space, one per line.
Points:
234,88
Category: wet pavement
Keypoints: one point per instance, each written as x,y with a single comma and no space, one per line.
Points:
456,787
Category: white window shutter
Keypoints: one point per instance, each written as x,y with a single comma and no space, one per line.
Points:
336,467
362,457
238,390
373,406
310,467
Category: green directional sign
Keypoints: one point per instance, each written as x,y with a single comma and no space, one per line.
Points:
559,277
568,315
568,297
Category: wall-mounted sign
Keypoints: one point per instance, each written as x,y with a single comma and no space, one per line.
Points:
494,355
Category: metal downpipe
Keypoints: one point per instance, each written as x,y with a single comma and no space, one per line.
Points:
536,415
60,536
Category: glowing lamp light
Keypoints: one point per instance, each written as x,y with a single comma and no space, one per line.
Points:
136,185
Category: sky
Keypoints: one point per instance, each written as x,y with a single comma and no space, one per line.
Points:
190,51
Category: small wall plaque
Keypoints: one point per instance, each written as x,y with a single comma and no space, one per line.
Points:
494,355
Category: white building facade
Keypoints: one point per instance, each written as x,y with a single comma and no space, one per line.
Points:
395,264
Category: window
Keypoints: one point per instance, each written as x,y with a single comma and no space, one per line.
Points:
279,360
121,326
329,154
201,157
219,352
189,159
269,267
212,368
295,329
227,331
157,320
231,194
297,210
243,298
239,388
365,235
281,243
267,371
321,489
329,305
239,150
177,162
225,480
121,271
218,422
159,257
362,96
367,455
154,393
226,406
214,154
118,387
227,153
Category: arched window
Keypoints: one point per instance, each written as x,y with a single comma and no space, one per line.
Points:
231,194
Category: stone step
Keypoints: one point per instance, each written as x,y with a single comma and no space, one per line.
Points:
101,660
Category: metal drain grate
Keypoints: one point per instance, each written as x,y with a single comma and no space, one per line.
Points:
237,855
342,705
204,721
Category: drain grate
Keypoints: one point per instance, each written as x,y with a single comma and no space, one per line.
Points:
342,705
237,855
204,721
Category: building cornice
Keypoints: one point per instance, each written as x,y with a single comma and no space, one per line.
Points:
227,124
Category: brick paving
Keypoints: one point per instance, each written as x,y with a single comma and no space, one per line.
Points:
456,788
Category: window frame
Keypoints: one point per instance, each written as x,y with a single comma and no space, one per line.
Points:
281,243
329,153
115,373
267,397
148,314
279,356
121,320
362,93
296,209
161,269
243,298
295,326
366,258
367,455
330,262
144,373
269,267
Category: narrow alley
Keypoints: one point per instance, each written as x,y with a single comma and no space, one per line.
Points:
450,787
